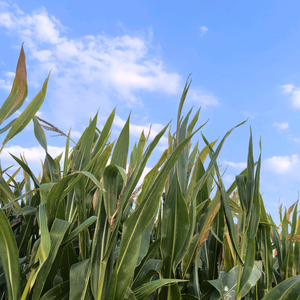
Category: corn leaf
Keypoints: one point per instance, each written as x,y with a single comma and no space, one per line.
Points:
286,290
175,226
79,279
226,286
146,289
58,230
60,291
138,221
9,257
28,113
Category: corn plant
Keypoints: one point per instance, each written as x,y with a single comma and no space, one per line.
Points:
89,231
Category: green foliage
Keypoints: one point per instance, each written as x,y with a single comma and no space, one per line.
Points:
90,232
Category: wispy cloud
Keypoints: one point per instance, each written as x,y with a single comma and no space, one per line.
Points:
294,93
87,68
241,165
203,30
201,98
281,126
281,164
33,156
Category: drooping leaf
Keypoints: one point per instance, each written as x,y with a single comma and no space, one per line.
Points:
141,292
18,92
60,291
28,113
286,290
226,286
39,133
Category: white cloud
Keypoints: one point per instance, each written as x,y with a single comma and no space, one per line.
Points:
33,156
241,165
281,126
4,85
294,93
10,74
75,134
228,178
88,67
201,98
281,164
203,30
297,140
5,20
288,88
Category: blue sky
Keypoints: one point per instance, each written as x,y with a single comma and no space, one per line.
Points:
136,55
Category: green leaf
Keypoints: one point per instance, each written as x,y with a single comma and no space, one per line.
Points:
215,245
60,291
204,225
137,222
44,191
170,292
7,192
228,215
129,295
58,230
141,292
120,153
2,130
50,170
129,188
28,113
266,249
86,224
250,177
149,269
182,163
9,256
248,264
105,133
276,240
69,258
174,228
99,276
297,249
61,189
183,96
226,286
193,122
152,251
285,269
145,240
39,133
79,279
45,244
111,185
27,170
84,153
66,160
286,290
80,195
255,212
